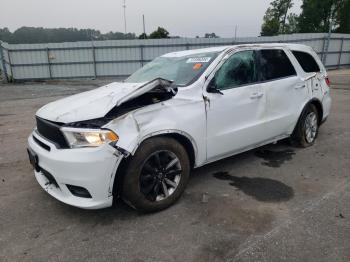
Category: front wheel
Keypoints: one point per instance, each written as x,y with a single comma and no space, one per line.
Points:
157,175
306,130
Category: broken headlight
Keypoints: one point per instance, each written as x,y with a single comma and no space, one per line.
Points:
82,137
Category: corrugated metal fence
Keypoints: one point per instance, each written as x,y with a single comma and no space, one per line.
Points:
120,58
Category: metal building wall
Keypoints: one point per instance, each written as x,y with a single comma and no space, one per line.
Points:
120,58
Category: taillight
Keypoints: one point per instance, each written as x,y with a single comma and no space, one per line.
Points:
328,82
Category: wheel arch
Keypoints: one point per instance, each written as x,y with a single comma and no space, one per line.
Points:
182,137
317,103
186,143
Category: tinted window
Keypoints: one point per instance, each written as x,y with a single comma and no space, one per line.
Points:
307,62
239,69
275,64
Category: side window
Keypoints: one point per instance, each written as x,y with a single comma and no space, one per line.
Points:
275,64
239,69
306,61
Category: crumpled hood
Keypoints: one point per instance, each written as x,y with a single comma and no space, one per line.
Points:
91,104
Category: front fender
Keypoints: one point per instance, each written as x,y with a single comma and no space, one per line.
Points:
168,132
184,118
130,136
128,132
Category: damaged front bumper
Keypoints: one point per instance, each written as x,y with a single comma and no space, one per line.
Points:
81,177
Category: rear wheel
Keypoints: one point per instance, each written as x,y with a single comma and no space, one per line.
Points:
156,175
306,130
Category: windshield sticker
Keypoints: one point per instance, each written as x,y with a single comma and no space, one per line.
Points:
198,60
197,66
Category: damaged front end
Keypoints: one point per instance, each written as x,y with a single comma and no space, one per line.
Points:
153,92
63,132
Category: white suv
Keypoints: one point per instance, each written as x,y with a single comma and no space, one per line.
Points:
139,139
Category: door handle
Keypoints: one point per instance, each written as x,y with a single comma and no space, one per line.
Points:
256,95
300,86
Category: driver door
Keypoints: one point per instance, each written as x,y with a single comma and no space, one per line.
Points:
235,106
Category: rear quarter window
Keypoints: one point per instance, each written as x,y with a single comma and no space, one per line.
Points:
306,61
275,64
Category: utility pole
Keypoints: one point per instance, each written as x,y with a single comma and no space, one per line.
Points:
236,32
325,49
144,27
124,6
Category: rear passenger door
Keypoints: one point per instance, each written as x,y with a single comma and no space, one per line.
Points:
314,79
282,85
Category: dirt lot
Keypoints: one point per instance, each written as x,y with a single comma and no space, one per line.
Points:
276,203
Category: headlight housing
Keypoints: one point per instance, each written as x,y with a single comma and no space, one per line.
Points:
82,137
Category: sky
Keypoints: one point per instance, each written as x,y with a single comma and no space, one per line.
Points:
186,18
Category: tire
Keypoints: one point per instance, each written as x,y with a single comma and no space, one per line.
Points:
141,172
301,135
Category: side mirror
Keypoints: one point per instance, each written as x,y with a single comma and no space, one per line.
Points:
212,88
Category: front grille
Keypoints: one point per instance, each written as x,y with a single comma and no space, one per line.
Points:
51,131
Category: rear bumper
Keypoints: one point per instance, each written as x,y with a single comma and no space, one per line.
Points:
90,168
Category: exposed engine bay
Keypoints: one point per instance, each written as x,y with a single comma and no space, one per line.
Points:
161,90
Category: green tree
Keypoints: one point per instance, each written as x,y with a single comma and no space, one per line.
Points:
116,36
343,18
210,35
143,36
275,18
27,35
5,34
159,33
317,15
291,24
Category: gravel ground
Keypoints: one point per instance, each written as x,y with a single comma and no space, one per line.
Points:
276,203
